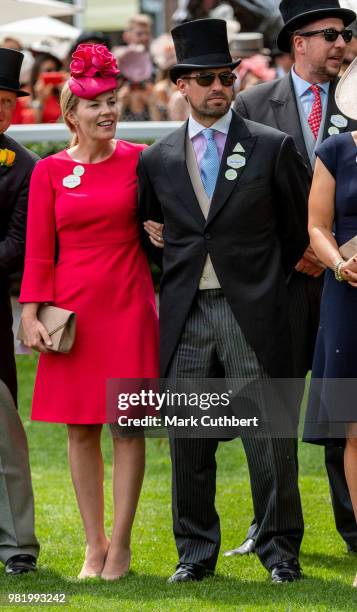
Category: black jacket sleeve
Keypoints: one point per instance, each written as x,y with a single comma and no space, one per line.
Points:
149,208
292,187
12,247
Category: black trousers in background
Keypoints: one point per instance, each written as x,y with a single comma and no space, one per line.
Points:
304,304
212,343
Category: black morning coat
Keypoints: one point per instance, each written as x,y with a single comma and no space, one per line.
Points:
255,233
14,188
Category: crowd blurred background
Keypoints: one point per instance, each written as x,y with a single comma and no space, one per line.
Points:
145,56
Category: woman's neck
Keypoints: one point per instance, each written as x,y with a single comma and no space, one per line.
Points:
90,152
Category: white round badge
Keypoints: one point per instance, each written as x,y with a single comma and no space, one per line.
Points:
231,175
71,181
333,130
339,121
78,170
236,161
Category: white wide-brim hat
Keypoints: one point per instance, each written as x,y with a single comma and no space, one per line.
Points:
346,91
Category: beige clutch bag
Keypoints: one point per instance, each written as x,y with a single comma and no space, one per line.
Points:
348,249
60,324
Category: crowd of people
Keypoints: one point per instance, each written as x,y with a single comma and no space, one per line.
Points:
146,92
221,205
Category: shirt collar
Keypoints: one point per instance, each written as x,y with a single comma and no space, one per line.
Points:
301,86
222,125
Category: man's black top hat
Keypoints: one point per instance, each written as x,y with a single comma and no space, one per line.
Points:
201,43
10,66
298,13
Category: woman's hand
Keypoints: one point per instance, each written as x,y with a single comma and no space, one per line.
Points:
155,232
349,271
35,334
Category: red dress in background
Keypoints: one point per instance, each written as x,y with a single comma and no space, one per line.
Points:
51,110
23,113
101,273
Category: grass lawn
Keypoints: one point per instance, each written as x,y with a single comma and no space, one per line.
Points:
240,583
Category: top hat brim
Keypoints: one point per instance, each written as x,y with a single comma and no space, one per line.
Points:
283,40
180,69
19,92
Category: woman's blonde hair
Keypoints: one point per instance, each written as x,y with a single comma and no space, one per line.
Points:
69,103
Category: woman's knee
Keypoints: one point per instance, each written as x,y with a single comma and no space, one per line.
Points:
83,434
129,442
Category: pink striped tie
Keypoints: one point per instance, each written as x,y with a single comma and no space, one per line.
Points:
316,111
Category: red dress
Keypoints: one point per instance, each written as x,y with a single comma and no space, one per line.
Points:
101,273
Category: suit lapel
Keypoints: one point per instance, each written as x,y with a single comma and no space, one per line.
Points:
238,133
286,113
173,151
3,145
332,109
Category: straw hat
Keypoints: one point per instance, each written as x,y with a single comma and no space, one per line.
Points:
134,62
346,91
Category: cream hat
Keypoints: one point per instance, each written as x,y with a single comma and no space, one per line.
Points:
346,91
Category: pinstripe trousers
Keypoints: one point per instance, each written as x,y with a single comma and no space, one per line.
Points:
213,345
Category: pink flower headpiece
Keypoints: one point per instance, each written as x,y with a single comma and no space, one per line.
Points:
93,70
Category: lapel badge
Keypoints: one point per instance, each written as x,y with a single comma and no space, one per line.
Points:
236,161
333,130
231,174
71,181
78,170
339,121
238,148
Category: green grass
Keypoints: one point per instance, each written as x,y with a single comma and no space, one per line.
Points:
239,584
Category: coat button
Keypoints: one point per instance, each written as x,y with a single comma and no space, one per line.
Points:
208,236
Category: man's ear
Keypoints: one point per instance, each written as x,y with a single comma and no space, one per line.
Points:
299,45
181,86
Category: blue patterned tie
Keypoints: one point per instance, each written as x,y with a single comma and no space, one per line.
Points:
210,163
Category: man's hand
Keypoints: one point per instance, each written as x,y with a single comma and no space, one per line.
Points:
155,232
310,264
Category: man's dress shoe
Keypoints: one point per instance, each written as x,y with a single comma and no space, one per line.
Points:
187,572
20,564
246,548
286,571
248,545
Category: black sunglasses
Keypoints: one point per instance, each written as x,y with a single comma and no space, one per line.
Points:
330,34
206,79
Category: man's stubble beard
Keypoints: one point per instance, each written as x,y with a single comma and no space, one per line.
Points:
327,74
206,111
